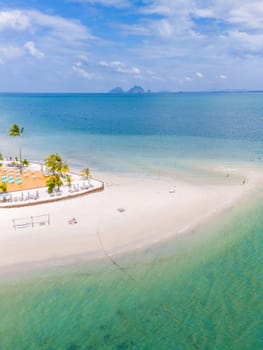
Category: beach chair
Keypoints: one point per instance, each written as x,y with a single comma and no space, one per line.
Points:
76,188
32,196
11,180
4,179
19,180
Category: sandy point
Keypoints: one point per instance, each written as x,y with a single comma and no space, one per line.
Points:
132,211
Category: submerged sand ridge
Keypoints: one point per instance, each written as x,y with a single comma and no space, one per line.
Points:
132,212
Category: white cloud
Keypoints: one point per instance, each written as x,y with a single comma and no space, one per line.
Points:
120,67
174,38
8,53
248,14
82,71
14,19
167,8
108,3
135,29
178,16
164,28
83,58
26,31
246,41
33,51
199,75
35,21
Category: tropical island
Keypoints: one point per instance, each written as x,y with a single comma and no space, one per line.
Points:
107,222
133,90
26,183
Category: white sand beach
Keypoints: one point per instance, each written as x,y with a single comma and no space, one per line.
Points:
132,212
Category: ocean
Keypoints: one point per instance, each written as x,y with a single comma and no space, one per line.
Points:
200,291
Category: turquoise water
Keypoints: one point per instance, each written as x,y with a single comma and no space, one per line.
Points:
201,291
136,133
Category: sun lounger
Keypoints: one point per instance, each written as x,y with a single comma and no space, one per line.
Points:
19,180
76,188
11,180
4,179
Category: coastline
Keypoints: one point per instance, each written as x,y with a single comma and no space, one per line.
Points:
132,213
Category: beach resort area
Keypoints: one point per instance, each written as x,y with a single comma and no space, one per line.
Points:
28,185
85,220
131,175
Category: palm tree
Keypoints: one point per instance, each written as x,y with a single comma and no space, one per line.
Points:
56,165
25,162
15,131
52,182
69,180
85,172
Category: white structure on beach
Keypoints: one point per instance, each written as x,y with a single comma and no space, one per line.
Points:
79,186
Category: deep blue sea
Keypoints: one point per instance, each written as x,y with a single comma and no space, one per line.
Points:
201,291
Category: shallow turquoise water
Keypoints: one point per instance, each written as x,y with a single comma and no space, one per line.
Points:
201,291
130,133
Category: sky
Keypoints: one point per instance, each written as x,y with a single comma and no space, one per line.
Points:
95,45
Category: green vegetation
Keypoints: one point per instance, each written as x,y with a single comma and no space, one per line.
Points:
57,168
3,187
15,131
1,156
52,182
85,172
25,162
55,164
69,180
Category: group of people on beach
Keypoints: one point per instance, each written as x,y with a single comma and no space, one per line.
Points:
72,221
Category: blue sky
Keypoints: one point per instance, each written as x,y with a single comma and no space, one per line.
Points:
94,45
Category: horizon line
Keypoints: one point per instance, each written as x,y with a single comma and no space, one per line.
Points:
147,92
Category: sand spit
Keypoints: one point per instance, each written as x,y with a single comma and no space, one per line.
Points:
132,212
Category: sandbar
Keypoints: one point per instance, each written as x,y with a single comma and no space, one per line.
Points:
132,212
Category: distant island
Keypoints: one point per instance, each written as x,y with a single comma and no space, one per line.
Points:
117,90
134,90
